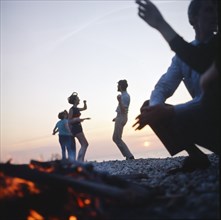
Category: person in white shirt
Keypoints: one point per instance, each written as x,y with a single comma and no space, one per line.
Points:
121,119
202,16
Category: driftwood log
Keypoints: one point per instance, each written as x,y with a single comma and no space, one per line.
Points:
64,183
111,187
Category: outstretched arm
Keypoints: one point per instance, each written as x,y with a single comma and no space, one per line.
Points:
199,58
77,120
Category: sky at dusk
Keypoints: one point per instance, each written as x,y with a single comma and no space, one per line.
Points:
50,49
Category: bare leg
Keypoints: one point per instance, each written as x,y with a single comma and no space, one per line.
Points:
84,144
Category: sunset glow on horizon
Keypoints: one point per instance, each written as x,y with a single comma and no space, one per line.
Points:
146,144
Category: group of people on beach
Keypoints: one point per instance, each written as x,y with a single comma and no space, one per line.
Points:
69,127
189,125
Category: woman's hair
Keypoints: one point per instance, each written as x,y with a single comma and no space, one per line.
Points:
72,98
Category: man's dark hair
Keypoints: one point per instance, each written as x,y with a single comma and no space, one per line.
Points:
61,115
123,84
194,8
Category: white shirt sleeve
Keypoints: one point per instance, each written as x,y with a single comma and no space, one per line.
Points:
168,83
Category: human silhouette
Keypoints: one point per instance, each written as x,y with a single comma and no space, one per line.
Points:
75,124
66,139
198,123
121,119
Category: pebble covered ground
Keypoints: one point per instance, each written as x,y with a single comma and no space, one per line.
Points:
194,195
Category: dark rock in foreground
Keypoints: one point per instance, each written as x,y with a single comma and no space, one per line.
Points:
192,195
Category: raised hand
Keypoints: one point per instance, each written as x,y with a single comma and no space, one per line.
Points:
152,16
149,13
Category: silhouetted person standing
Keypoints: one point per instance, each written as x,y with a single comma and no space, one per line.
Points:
75,124
66,139
121,119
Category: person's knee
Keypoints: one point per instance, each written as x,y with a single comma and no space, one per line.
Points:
116,139
145,104
85,145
